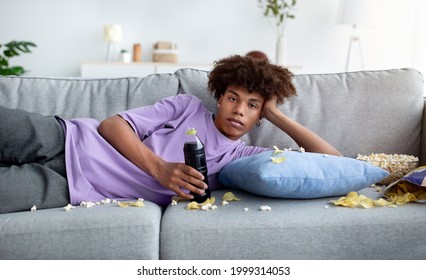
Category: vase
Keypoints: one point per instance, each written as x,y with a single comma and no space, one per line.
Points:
281,51
126,57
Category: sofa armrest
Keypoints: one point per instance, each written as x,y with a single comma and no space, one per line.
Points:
422,158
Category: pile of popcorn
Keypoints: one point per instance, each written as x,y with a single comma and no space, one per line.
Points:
396,165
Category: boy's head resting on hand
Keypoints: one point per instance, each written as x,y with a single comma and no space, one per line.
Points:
241,86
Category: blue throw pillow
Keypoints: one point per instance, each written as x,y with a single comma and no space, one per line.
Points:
299,175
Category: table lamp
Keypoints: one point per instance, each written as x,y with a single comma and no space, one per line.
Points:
112,35
355,13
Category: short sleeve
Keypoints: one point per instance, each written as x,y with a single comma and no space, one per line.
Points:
145,120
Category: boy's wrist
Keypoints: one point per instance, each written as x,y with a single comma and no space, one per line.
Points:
155,164
271,113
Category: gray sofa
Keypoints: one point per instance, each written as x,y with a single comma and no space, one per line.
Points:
360,112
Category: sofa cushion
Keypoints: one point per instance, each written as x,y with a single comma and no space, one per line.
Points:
300,175
98,232
309,229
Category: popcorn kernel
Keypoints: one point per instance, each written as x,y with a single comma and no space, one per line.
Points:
265,208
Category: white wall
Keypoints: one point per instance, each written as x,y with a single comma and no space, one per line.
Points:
70,32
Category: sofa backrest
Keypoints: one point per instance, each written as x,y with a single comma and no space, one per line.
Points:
360,112
83,97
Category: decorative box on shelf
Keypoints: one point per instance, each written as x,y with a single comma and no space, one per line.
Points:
165,52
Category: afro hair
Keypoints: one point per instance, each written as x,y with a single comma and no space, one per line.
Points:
256,75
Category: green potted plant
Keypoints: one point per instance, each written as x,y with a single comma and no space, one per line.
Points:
12,49
280,11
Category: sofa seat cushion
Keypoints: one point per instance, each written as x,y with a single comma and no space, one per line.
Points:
98,232
293,229
299,175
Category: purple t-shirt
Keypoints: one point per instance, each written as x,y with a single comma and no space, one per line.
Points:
97,171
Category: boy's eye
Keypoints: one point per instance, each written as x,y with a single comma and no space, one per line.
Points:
253,106
232,99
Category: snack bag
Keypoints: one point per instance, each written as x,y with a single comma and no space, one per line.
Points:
410,188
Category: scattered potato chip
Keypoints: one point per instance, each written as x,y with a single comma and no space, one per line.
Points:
210,200
278,160
196,206
193,206
383,202
353,200
350,200
365,201
123,204
138,203
229,196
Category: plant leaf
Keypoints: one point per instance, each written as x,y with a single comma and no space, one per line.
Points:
12,71
13,48
3,61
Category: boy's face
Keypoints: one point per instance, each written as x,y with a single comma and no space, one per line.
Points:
238,111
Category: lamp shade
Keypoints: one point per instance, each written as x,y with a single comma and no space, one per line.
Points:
355,12
113,33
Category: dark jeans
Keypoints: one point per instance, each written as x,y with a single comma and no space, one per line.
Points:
32,161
